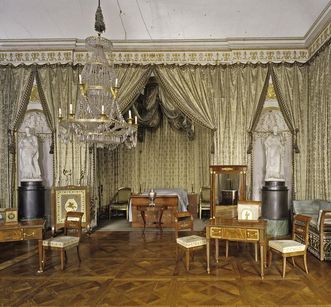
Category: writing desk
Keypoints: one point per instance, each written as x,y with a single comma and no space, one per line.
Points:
24,230
233,229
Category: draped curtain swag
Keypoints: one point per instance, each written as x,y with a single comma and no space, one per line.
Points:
188,88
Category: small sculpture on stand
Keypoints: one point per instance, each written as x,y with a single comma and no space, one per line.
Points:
152,196
29,155
274,192
274,154
31,198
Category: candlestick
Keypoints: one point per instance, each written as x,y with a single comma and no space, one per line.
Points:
130,114
80,79
136,120
60,112
116,82
70,108
102,109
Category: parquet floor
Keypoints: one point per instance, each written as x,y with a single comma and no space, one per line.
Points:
128,269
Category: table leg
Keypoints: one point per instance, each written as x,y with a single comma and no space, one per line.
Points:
208,253
40,255
160,219
142,213
216,250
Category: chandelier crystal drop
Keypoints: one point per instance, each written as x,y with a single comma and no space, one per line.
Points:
97,118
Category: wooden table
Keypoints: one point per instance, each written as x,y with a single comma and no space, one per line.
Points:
25,230
168,216
156,210
233,229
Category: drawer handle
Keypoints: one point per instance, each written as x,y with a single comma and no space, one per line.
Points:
29,235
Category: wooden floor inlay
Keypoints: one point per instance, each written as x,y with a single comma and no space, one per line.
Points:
132,269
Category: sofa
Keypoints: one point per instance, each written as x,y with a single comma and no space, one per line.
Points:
319,227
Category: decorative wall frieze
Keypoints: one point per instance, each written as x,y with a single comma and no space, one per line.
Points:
324,36
155,57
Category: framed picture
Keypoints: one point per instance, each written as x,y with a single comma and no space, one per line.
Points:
249,210
11,216
70,198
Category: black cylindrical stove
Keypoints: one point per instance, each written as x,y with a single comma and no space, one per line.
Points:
31,200
274,200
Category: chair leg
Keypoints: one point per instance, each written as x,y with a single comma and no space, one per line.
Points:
305,262
44,258
269,257
78,255
62,259
187,259
321,248
226,248
65,256
284,266
293,261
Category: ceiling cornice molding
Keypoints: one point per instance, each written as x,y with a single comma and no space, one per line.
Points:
227,51
320,25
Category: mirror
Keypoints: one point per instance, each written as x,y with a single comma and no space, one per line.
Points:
228,185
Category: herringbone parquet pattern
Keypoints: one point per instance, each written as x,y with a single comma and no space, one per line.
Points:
128,269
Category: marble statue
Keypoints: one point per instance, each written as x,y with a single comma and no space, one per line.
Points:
274,155
29,154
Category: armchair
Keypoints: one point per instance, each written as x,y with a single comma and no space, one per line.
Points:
120,201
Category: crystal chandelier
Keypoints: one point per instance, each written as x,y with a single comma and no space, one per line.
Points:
98,119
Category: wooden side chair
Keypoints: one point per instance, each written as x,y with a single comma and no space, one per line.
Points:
293,248
72,223
120,201
191,243
204,201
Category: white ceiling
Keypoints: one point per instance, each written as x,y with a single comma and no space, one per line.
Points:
162,19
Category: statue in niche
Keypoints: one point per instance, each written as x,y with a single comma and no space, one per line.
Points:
29,154
274,156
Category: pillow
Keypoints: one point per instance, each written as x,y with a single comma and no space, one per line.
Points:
325,204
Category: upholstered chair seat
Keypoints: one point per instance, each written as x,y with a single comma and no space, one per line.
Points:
287,246
191,241
62,242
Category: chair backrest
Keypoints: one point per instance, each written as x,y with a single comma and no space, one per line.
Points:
183,221
73,222
205,195
123,195
300,228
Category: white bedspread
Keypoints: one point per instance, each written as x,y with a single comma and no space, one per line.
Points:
180,193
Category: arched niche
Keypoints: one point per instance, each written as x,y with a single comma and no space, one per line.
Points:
270,117
35,119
